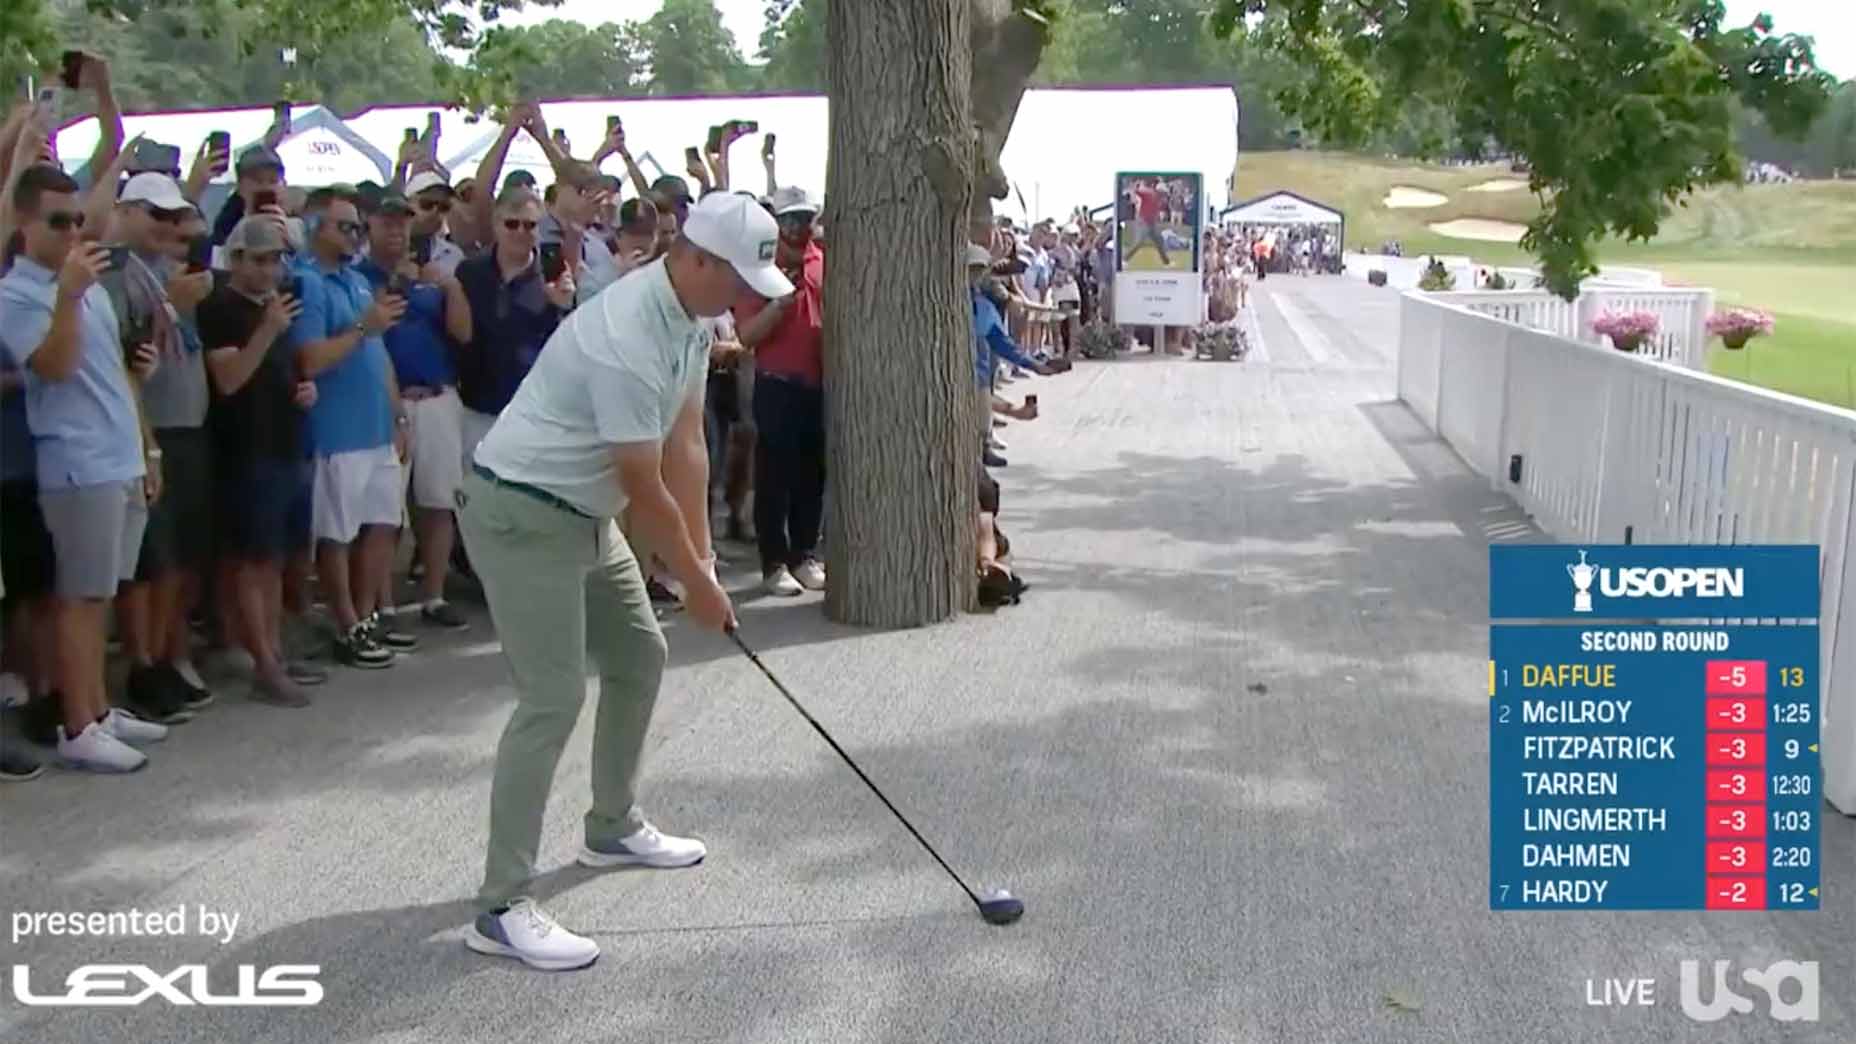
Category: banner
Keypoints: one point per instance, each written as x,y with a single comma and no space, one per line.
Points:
1158,217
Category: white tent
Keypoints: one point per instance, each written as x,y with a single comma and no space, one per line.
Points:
1281,208
321,150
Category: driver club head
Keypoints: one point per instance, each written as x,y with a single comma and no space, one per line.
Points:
998,906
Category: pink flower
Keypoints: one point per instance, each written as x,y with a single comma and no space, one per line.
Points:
1740,322
1627,325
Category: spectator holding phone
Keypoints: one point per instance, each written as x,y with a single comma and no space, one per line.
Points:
258,190
262,479
355,426
430,245
93,464
419,345
514,309
164,685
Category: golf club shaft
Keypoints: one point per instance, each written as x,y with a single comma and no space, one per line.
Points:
874,789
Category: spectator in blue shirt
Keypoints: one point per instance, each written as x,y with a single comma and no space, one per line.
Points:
97,466
990,340
420,346
353,426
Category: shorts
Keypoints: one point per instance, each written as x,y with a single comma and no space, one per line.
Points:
25,547
96,535
264,508
180,523
355,489
435,444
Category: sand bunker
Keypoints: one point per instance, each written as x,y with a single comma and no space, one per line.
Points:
1500,185
1406,197
1481,228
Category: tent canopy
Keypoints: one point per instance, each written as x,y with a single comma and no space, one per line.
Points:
186,130
1281,208
321,150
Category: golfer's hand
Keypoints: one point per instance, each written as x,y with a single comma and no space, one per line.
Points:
708,604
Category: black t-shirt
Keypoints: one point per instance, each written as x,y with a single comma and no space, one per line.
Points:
261,420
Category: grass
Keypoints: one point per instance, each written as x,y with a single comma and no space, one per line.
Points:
1786,249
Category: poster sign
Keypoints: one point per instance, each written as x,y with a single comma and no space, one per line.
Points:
1158,216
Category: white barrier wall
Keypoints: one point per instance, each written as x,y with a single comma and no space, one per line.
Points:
1616,447
1682,314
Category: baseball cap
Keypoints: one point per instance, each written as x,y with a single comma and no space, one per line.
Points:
978,256
257,158
156,190
793,200
393,203
674,187
257,236
426,179
519,177
735,229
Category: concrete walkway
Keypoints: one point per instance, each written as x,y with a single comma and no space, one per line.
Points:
1232,751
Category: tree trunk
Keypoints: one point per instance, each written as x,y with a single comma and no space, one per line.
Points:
1006,50
899,387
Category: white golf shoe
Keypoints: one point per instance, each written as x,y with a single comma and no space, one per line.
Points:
647,847
526,933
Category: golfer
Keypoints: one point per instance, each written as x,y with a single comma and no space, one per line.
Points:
609,419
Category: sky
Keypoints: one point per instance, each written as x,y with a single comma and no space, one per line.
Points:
1832,22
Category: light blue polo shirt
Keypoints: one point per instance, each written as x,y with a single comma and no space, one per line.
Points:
84,428
352,410
618,370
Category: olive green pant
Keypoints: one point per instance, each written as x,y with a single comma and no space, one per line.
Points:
561,588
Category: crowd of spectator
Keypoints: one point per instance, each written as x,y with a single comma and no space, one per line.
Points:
222,430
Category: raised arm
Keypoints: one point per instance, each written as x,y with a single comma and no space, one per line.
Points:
614,145
490,171
96,76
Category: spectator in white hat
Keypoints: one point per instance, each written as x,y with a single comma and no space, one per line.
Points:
432,248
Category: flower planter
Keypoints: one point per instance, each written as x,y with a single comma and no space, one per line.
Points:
1734,341
1627,344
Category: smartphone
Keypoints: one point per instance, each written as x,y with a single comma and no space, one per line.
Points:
612,124
49,103
292,285
154,156
199,254
692,156
219,142
119,259
553,262
72,70
281,113
1032,400
399,285
412,135
715,137
768,147
422,250
749,126
431,125
136,333
263,198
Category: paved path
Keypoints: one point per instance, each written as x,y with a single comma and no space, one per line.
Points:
1231,750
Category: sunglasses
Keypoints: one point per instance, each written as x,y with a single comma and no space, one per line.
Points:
166,217
443,206
64,220
350,228
518,225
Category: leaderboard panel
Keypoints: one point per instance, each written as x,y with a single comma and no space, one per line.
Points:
1654,767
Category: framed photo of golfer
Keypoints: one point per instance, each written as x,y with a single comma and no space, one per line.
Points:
1158,216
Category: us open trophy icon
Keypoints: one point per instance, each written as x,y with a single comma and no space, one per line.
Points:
1582,576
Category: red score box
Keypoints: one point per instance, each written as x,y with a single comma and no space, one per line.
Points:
1737,712
1737,785
1736,822
1740,749
1736,857
1736,893
1736,677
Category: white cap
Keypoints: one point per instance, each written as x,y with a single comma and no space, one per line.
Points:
792,199
426,179
978,256
736,229
156,190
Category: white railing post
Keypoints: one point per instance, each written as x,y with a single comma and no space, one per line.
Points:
1702,306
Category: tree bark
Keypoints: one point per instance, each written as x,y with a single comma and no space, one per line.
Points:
899,387
1006,49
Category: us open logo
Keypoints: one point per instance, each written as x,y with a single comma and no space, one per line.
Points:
766,250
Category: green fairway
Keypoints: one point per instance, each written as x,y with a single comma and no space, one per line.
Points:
1785,249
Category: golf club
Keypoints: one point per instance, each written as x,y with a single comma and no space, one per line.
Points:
997,906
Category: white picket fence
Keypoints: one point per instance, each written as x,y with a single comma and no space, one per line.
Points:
1682,314
1613,447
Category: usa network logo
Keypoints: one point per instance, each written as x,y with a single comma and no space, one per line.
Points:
1652,582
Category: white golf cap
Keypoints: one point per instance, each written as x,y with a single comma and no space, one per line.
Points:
792,199
736,229
978,256
426,179
155,190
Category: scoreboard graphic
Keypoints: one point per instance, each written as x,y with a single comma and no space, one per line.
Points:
1653,728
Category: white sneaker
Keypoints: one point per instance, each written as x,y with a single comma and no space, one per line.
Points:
780,582
526,933
810,574
96,750
131,729
647,847
997,444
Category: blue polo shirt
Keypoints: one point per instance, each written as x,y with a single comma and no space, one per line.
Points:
418,344
84,428
352,410
990,339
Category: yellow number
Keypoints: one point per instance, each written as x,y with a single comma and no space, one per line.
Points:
1791,677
